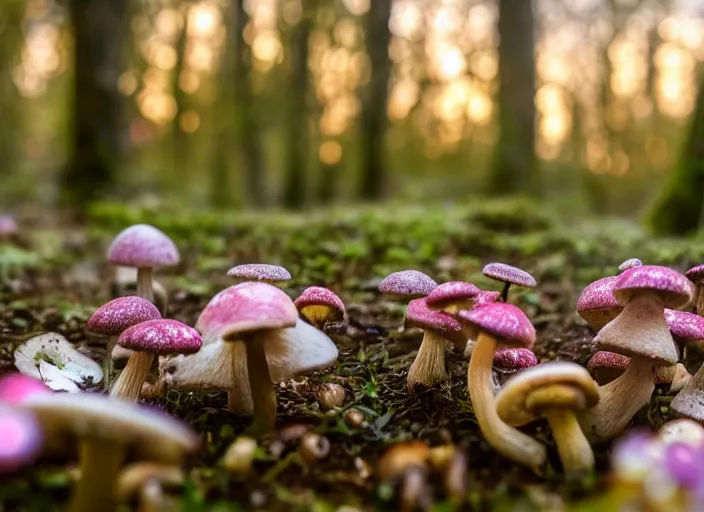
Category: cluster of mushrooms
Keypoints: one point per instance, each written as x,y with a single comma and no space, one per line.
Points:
252,335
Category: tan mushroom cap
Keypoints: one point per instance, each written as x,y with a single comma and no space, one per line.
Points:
523,396
400,457
133,477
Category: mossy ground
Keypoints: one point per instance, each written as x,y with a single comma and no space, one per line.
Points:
53,278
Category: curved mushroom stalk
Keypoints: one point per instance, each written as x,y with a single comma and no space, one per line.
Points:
100,463
145,287
575,451
128,385
428,368
505,439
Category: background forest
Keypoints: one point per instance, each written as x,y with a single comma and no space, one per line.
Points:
293,103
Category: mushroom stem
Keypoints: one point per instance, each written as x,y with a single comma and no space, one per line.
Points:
144,284
504,292
128,385
505,439
261,385
619,401
575,451
100,462
428,368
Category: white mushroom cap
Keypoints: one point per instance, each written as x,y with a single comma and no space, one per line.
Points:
577,390
154,434
299,350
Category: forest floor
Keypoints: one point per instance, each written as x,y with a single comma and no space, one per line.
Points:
54,277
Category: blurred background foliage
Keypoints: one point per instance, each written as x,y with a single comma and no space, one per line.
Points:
595,105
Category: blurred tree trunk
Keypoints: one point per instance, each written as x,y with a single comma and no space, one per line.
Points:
515,166
297,139
10,38
373,117
177,175
680,208
97,127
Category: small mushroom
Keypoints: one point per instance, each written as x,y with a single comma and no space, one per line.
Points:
21,437
696,275
505,324
687,330
408,465
509,275
407,284
640,332
144,247
144,483
313,447
319,306
239,456
606,366
261,272
597,304
509,361
629,263
554,391
147,339
16,387
106,429
453,296
439,329
331,395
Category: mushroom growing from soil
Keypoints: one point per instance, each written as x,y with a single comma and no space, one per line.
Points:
554,391
597,304
407,284
608,366
690,399
144,483
505,324
319,306
640,332
125,284
145,248
439,330
509,275
696,275
147,339
453,296
629,263
106,429
406,464
21,437
261,272
509,361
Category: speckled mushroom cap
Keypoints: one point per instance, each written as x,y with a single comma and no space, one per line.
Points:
260,272
629,263
154,434
675,289
8,225
407,284
509,274
515,406
14,388
398,458
119,314
684,327
21,436
485,297
143,246
597,304
320,304
453,292
509,359
608,360
419,315
161,337
246,307
695,274
506,322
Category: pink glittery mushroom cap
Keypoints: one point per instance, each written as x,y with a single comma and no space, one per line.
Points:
509,274
260,272
22,438
629,263
505,321
8,225
695,274
143,246
485,297
419,315
608,360
317,296
597,304
675,290
409,284
16,387
119,314
452,292
684,326
246,307
161,337
514,359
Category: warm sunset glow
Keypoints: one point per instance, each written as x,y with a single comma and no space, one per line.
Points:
330,152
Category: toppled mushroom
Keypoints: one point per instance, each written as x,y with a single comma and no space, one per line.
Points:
509,275
509,361
406,464
597,304
144,483
554,391
641,333
51,358
696,275
319,306
21,437
147,339
106,429
407,284
144,247
453,296
505,324
428,368
629,263
261,272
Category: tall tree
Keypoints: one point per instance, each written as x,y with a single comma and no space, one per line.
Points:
680,208
297,137
373,117
10,37
97,127
515,167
